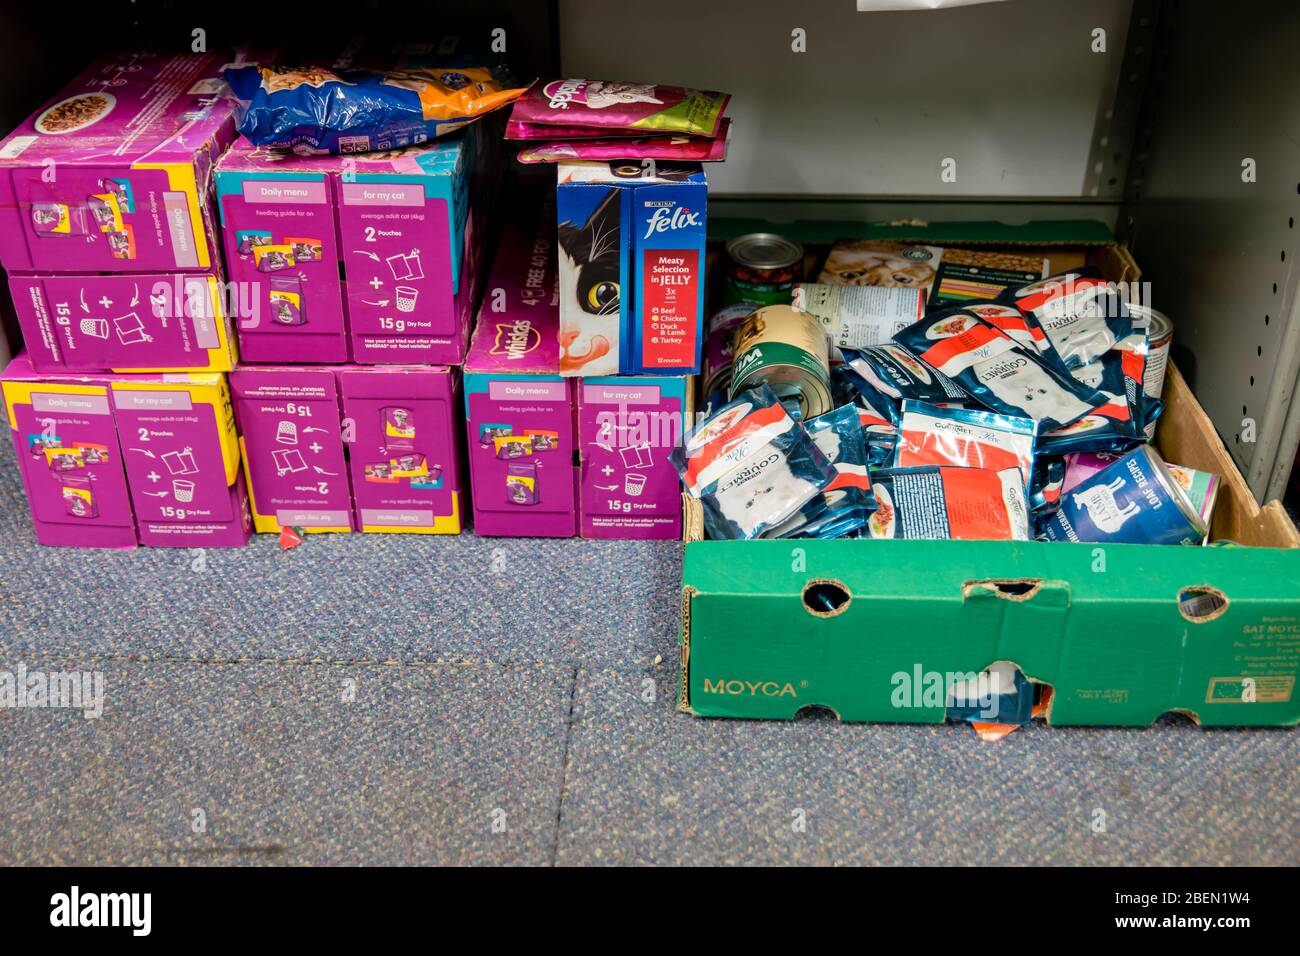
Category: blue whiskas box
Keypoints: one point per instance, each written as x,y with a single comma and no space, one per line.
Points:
631,248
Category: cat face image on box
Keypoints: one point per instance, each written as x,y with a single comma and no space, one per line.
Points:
631,255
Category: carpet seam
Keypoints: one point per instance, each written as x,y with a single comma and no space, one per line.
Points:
569,724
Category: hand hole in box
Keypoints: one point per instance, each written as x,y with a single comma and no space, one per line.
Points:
1011,589
1201,603
826,598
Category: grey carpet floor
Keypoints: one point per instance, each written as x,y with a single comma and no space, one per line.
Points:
395,699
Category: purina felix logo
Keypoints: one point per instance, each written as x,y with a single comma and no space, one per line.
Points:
669,219
74,909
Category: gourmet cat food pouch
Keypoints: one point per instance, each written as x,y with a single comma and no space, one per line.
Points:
966,437
944,502
751,465
1111,426
1082,317
843,506
606,104
632,149
998,373
319,110
897,373
1005,318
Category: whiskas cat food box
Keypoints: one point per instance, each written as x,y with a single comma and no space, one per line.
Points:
69,458
627,429
518,407
371,257
138,322
181,453
291,440
631,262
112,175
404,452
151,459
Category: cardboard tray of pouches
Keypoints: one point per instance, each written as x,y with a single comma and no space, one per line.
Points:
873,630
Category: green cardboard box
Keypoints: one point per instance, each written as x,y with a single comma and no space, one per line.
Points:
880,630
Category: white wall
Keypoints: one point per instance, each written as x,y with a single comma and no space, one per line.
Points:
1011,90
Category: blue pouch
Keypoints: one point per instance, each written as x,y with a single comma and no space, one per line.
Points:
997,372
844,504
751,465
897,373
319,110
1081,315
1045,483
1000,694
1114,426
967,437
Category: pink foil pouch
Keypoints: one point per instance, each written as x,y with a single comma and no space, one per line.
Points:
626,106
700,149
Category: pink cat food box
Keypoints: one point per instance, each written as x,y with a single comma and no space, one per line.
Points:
519,410
112,460
113,174
372,258
69,458
402,427
549,454
130,322
291,439
628,427
631,258
181,453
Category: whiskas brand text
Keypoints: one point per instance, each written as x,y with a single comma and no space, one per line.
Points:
559,97
516,339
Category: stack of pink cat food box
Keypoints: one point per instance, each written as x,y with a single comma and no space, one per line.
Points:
552,454
366,269
119,408
128,409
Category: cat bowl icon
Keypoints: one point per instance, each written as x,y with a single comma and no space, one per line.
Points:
633,485
406,297
183,490
95,328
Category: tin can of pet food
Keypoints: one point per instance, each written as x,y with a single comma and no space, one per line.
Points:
762,267
1132,501
1160,335
787,350
716,368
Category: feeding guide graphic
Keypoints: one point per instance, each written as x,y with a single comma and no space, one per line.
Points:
290,460
637,456
178,464
129,328
403,267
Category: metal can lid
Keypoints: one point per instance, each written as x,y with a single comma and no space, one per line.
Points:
764,250
1159,325
1174,492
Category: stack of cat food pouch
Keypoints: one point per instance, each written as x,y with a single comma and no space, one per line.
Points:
354,210
119,406
579,379
989,404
